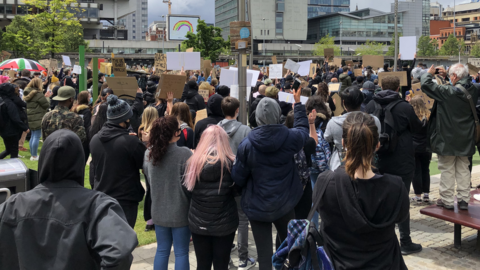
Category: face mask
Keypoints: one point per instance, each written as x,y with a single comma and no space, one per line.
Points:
90,101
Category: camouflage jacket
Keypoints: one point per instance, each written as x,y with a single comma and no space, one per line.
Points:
62,118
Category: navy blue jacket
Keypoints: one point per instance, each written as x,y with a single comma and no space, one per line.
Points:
265,168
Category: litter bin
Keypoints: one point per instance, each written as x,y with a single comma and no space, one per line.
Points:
14,175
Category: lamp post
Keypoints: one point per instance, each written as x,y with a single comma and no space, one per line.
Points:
298,46
341,22
264,33
163,36
396,38
454,21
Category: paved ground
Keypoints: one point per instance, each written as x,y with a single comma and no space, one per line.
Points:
435,235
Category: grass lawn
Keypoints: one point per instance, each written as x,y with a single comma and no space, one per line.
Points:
143,237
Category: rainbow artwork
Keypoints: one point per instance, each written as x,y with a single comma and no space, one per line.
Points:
181,24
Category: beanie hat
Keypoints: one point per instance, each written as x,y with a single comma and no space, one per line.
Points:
368,85
271,92
223,90
118,110
54,79
192,85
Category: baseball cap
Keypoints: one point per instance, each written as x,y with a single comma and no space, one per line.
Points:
64,93
271,91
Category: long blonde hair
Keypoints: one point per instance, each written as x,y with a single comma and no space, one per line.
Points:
419,107
35,83
150,114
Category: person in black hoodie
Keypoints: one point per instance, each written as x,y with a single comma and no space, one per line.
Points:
13,125
409,73
79,227
193,99
118,158
401,161
253,106
215,115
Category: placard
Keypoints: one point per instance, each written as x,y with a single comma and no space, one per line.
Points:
408,47
204,93
171,83
334,87
252,76
329,54
358,72
349,62
201,114
160,63
337,62
207,67
123,87
189,61
189,50
274,60
11,74
288,98
375,61
118,67
5,55
402,75
472,70
417,91
77,69
292,66
106,68
313,70
276,71
45,63
66,60
304,69
339,108
53,64
235,91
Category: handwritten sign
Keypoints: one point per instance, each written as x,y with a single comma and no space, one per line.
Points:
45,63
204,93
5,55
160,63
171,83
375,61
123,87
119,68
313,70
292,66
53,64
274,60
417,91
401,75
329,53
66,60
77,69
358,72
334,87
337,62
472,70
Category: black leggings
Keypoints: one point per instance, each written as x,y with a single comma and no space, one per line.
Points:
262,233
212,249
421,180
11,146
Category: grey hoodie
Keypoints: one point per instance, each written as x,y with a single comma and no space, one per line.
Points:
236,132
268,112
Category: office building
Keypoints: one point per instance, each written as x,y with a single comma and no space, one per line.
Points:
436,10
464,13
322,7
416,17
225,12
156,31
137,22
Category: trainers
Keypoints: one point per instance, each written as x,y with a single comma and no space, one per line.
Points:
463,205
415,199
410,248
426,198
246,264
441,204
34,158
149,228
22,149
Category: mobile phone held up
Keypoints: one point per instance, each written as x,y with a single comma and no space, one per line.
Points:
296,84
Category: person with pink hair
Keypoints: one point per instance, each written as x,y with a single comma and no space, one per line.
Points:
213,216
4,79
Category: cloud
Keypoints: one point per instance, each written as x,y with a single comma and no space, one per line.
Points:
203,8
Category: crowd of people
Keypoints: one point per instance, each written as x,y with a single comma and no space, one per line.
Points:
208,179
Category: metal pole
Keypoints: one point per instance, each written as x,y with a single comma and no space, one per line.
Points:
163,35
95,78
250,62
341,22
264,33
454,21
83,76
396,39
242,72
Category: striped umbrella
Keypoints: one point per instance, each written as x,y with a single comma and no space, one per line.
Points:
21,64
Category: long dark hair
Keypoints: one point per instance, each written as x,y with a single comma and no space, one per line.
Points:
162,131
100,120
182,112
322,90
318,103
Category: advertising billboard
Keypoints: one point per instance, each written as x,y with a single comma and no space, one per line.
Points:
180,25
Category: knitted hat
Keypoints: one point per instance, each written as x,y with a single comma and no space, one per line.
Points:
268,81
368,85
271,92
54,79
118,110
223,90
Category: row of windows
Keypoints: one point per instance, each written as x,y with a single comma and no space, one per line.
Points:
24,9
130,50
329,2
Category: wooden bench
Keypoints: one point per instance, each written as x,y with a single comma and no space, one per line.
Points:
470,218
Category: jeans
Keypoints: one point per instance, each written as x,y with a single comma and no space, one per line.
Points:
454,169
421,181
262,233
34,140
181,240
313,178
131,212
11,146
242,238
212,250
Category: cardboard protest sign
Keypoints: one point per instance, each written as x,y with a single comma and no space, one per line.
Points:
337,62
189,61
408,47
45,63
358,72
5,72
472,70
402,75
53,64
189,50
204,93
312,70
11,74
274,60
349,62
292,66
77,63
329,54
77,69
304,69
66,60
160,63
123,87
106,68
417,91
206,67
201,114
276,71
334,87
119,68
171,83
375,61
339,108
5,55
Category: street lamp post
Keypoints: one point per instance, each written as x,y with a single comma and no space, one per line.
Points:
163,35
396,38
264,33
341,22
454,21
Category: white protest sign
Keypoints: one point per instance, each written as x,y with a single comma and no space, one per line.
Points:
292,66
304,69
276,71
66,60
287,97
228,77
234,91
77,69
408,47
253,73
189,61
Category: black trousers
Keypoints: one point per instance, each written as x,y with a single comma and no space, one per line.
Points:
302,209
404,227
212,250
11,146
421,180
147,204
262,233
131,211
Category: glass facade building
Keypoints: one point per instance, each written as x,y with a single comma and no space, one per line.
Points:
321,7
226,11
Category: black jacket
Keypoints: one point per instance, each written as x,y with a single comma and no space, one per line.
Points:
186,137
117,160
251,118
86,114
420,139
213,210
215,115
60,224
194,100
409,76
137,109
12,115
402,160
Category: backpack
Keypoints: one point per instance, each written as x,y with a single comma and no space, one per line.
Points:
388,136
303,247
3,122
322,153
301,162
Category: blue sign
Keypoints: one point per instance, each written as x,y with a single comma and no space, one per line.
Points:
244,32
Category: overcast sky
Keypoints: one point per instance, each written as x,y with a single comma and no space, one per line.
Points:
206,8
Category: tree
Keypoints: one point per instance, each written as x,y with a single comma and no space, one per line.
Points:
21,37
435,45
425,47
475,50
391,48
326,42
208,41
370,48
452,46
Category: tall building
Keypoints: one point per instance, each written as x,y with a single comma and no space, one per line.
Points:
225,12
416,18
156,31
137,22
321,7
436,11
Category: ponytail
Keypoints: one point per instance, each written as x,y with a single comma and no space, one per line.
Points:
360,138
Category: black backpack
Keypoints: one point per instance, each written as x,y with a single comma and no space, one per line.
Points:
3,122
388,135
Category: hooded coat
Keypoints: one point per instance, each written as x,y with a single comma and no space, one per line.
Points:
37,107
359,217
236,132
60,224
215,115
345,80
117,160
264,166
193,99
11,113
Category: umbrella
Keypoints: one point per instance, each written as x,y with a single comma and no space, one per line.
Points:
21,64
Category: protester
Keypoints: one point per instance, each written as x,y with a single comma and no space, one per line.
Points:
37,107
164,167
272,173
223,91
368,91
324,93
137,110
452,138
101,81
149,116
215,115
117,158
182,112
206,86
13,126
83,109
96,126
193,99
370,75
61,117
261,94
441,75
212,217
409,73
358,81
25,77
344,79
359,232
398,159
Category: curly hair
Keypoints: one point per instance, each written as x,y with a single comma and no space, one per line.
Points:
162,131
322,90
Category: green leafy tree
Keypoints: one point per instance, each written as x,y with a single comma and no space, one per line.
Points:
391,48
21,38
326,42
425,47
208,41
370,48
475,50
435,45
452,46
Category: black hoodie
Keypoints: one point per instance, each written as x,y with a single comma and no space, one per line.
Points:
11,112
215,115
79,227
117,160
402,161
193,99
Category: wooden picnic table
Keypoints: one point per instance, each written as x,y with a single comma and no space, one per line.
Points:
470,218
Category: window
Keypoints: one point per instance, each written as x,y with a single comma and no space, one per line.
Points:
133,25
268,32
261,32
133,20
279,23
134,37
133,31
